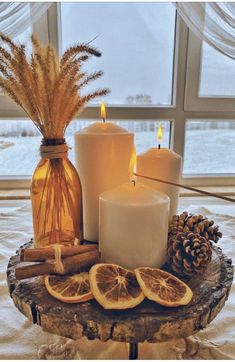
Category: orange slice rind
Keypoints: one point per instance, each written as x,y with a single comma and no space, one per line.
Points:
69,289
115,287
162,287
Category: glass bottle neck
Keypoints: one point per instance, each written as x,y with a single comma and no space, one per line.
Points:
53,141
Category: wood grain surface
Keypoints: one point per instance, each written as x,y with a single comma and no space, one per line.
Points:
146,322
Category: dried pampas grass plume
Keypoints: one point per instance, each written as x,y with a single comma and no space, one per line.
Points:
47,88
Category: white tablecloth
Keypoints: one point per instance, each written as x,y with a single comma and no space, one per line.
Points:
21,340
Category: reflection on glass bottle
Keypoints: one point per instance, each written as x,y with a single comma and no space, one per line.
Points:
56,197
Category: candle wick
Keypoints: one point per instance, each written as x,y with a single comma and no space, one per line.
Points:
103,120
133,181
159,146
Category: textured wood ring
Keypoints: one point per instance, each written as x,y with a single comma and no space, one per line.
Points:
147,322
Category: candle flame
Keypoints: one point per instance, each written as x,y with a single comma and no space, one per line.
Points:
160,133
132,164
102,110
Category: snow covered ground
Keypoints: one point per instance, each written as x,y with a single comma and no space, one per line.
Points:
206,152
210,151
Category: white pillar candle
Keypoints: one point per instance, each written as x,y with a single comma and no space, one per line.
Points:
133,226
103,152
164,164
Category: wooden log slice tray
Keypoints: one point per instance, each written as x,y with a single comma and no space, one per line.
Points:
146,322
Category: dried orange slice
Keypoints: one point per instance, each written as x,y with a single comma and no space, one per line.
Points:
115,287
162,287
69,289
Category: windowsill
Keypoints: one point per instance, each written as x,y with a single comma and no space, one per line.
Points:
24,194
17,194
220,190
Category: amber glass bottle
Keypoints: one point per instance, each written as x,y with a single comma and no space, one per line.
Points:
56,197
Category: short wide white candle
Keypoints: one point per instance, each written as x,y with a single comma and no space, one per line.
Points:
161,163
103,152
133,226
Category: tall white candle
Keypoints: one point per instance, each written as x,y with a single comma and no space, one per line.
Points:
164,164
103,152
133,226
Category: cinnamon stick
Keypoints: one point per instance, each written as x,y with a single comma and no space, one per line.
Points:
42,254
71,264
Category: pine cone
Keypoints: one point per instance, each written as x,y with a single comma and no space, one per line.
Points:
197,224
189,253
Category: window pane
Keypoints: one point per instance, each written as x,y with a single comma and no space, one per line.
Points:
20,141
217,74
137,42
209,147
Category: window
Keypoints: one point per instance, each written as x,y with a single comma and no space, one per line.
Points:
217,74
210,79
20,141
209,96
19,147
209,147
145,132
158,71
137,42
43,28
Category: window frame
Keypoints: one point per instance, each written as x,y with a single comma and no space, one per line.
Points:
49,29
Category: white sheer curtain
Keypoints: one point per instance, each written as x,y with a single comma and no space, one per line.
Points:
213,22
16,17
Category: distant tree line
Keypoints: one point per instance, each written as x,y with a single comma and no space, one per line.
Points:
18,133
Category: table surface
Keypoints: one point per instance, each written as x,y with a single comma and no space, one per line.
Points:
22,339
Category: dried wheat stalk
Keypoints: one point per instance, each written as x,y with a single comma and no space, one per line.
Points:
46,87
